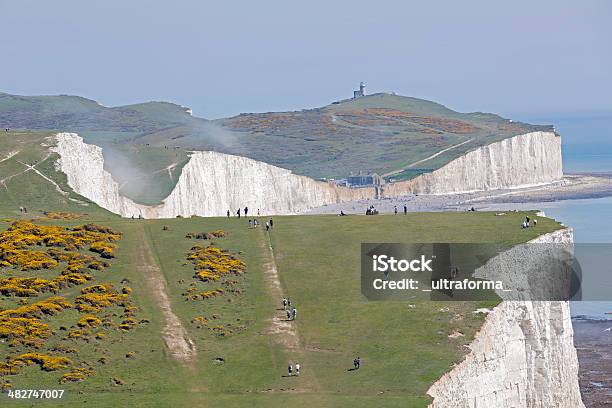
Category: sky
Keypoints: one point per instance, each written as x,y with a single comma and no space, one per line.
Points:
516,58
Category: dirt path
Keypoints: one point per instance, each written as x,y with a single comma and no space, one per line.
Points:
427,158
33,168
9,155
175,336
283,330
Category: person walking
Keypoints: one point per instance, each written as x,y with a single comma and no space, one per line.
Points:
293,313
267,226
289,303
395,209
271,223
284,303
238,212
228,213
246,211
405,209
290,370
297,369
357,363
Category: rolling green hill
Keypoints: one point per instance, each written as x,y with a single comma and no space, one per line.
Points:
381,133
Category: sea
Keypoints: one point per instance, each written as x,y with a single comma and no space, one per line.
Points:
587,148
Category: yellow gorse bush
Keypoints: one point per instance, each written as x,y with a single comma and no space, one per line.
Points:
211,263
22,325
96,297
29,247
23,234
47,363
23,330
89,321
77,375
49,306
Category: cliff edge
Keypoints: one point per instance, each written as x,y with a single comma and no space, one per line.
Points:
523,356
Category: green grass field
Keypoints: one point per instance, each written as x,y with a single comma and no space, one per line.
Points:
403,349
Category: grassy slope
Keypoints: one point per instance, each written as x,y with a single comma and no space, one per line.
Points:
29,189
332,141
403,350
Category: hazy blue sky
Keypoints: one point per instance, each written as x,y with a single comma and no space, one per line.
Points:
223,58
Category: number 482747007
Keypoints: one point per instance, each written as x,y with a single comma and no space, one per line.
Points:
35,394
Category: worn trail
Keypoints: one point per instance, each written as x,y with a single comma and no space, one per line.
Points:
281,329
284,331
175,336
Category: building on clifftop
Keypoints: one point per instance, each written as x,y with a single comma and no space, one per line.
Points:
361,92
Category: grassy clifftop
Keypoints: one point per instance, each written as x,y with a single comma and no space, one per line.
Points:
241,353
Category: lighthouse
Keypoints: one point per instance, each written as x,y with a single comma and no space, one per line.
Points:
361,92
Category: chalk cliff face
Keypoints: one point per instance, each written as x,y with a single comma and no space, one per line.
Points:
522,357
211,182
523,160
209,185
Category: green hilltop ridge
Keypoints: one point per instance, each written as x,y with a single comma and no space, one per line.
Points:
382,133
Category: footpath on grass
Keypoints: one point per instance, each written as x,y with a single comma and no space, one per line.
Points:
175,336
283,330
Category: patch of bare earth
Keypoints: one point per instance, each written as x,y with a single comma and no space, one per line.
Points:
175,336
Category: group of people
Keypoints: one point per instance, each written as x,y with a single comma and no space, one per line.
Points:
371,210
526,222
23,210
297,369
291,312
405,209
240,211
254,223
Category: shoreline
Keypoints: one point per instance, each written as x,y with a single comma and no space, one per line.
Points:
571,187
593,342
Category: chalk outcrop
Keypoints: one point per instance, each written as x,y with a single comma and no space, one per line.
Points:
522,357
520,161
209,185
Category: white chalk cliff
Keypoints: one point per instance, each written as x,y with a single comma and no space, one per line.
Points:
522,357
524,160
210,184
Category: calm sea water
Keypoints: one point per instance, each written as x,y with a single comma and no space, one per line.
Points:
587,147
592,223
